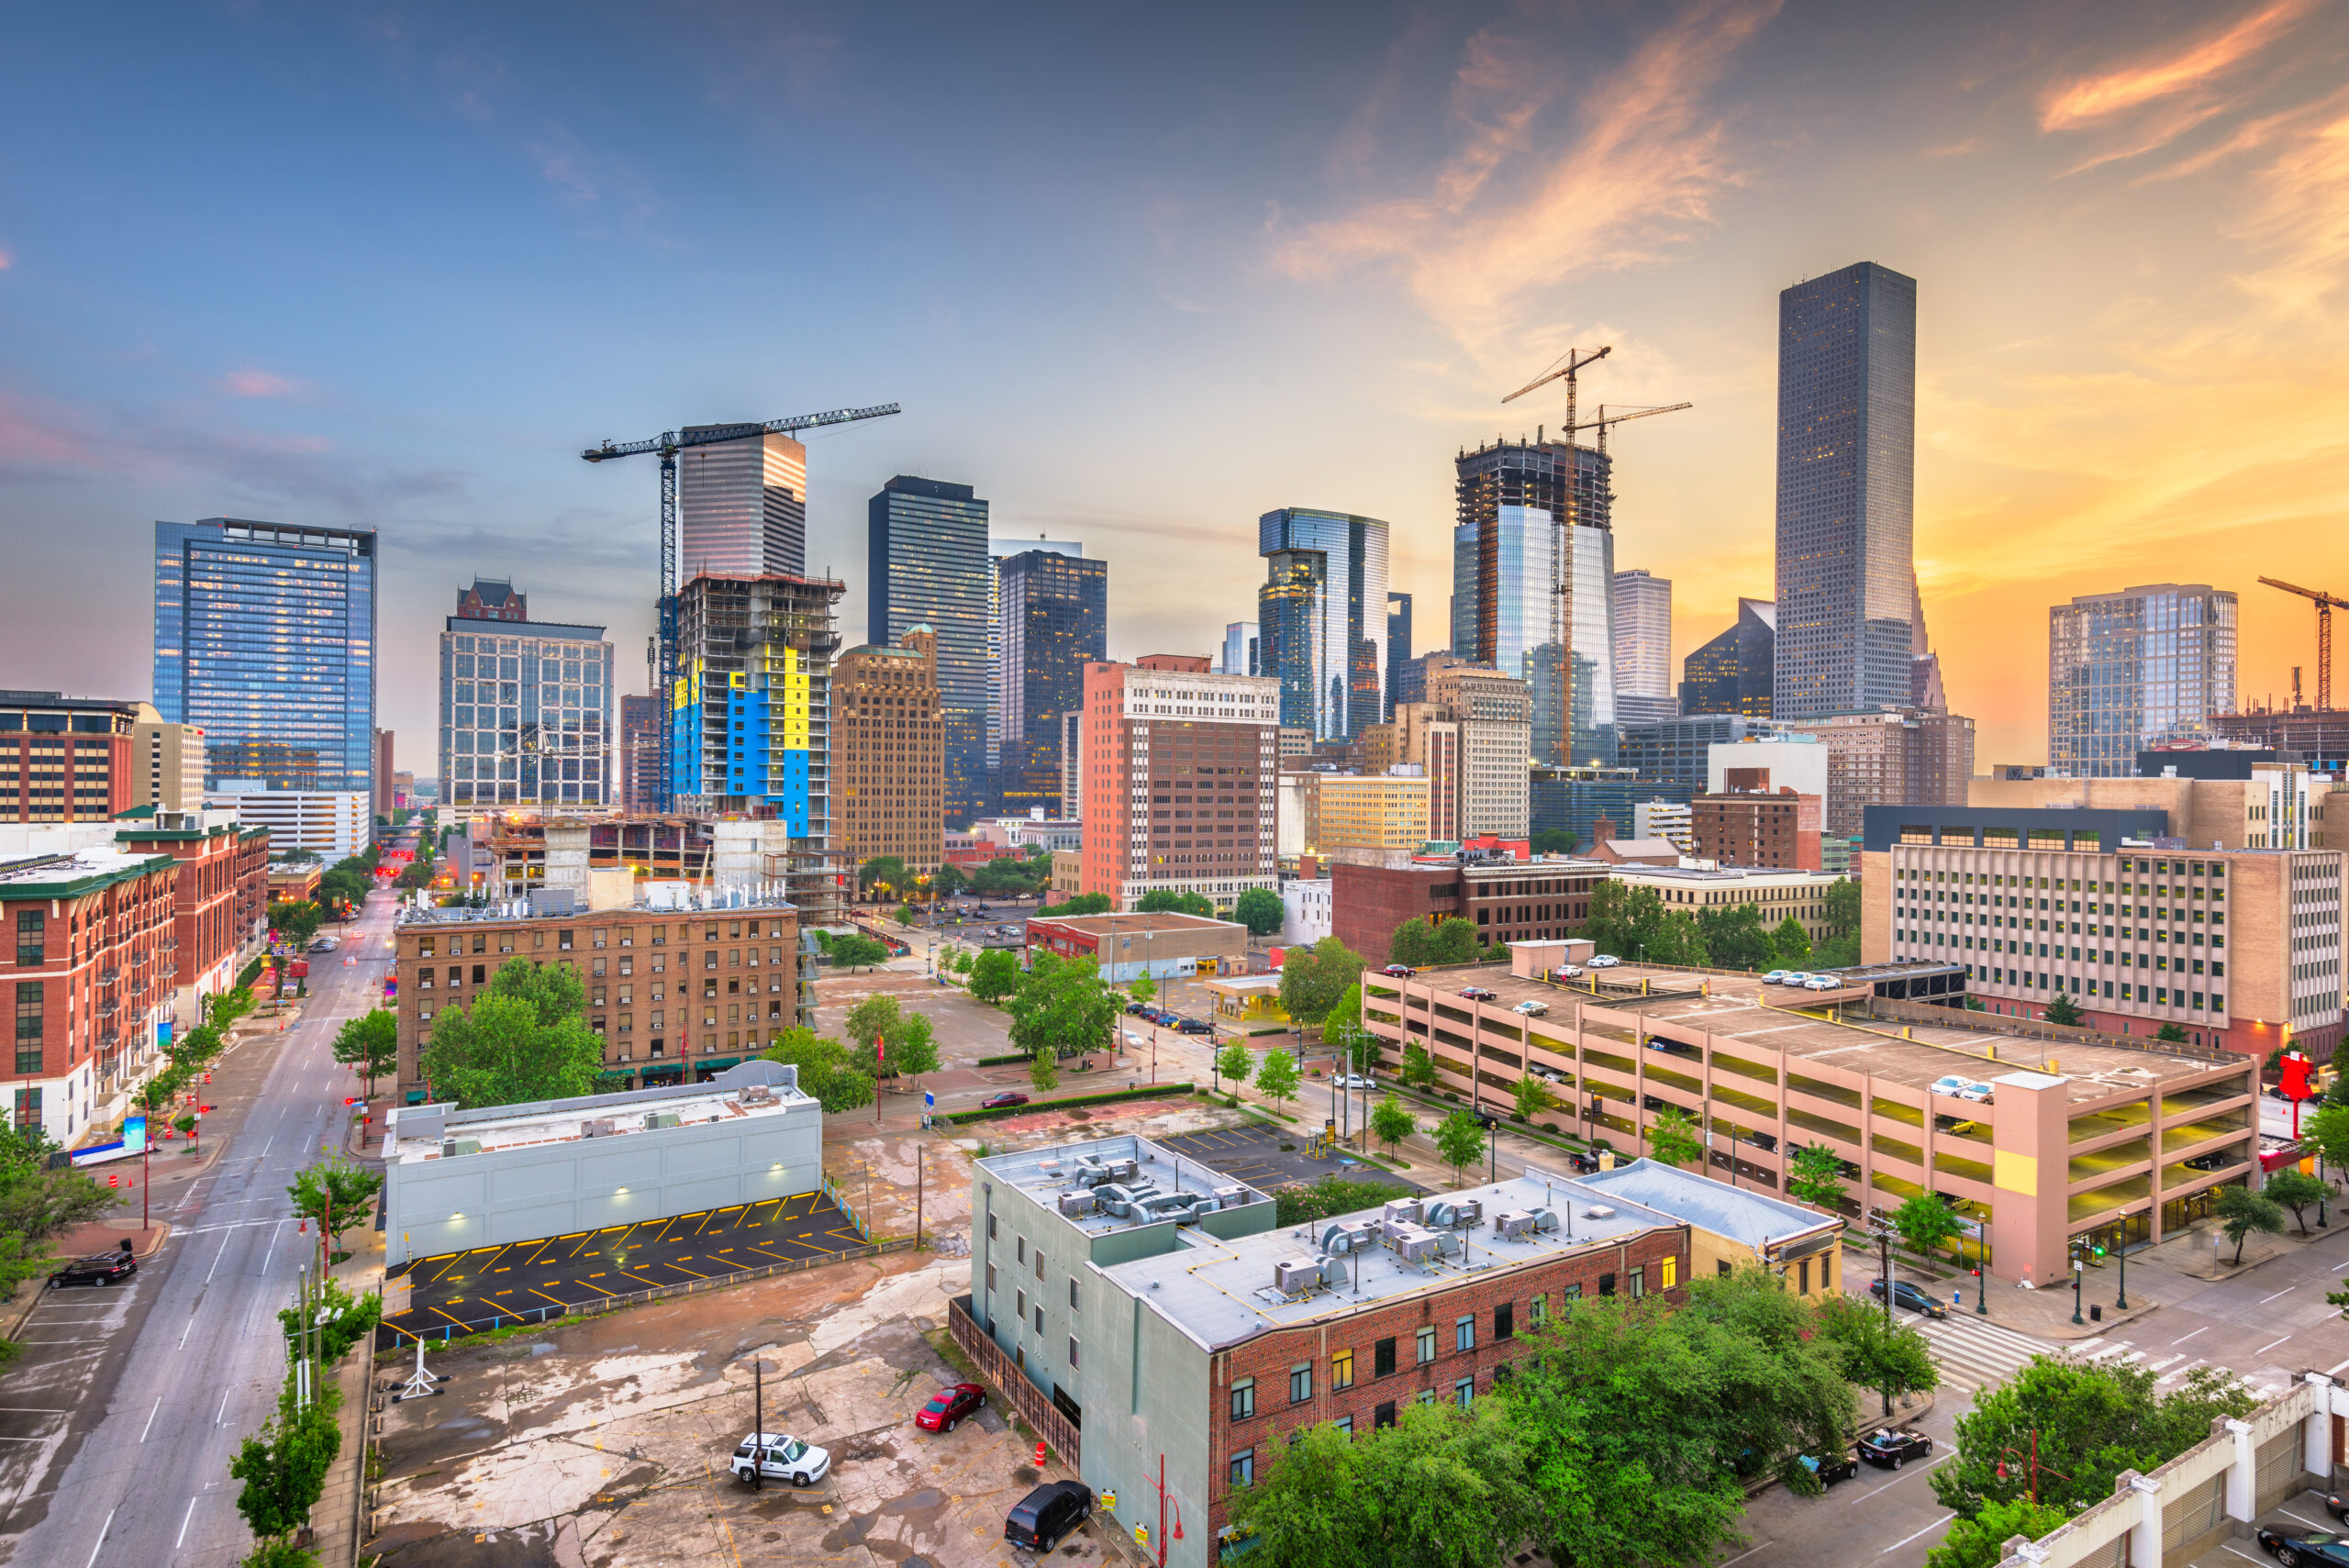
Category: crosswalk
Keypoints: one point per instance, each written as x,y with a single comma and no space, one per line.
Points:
1973,1353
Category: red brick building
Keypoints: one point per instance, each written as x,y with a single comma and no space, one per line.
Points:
65,759
1372,892
1751,828
221,904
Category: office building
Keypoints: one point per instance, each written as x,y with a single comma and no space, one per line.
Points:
743,506
2234,947
1322,619
1925,689
752,721
67,759
1779,893
1492,714
1398,646
889,770
265,640
526,711
1243,653
166,762
1734,673
1847,432
1643,610
1053,620
997,551
928,564
1898,757
2253,805
383,774
2124,668
493,599
1072,765
1769,763
1372,892
1671,822
1383,811
1575,800
329,824
1678,750
1179,770
640,758
1757,826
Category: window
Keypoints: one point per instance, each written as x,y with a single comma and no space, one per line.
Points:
1243,1468
1300,1383
1244,1399
1073,1305
1020,1304
28,1026
1427,1345
1019,1250
32,935
990,1225
1538,1312
1668,1273
1639,1282
1606,1284
1505,1321
990,1278
1382,1359
1341,1370
1040,1263
1464,1332
1383,1417
1465,1391
1040,1317
1345,1424
1073,1360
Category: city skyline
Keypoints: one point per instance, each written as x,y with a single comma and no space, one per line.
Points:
429,362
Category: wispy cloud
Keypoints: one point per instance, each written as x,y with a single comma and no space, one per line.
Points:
8,259
2192,70
2301,214
252,383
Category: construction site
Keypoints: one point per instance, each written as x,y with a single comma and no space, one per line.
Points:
2316,733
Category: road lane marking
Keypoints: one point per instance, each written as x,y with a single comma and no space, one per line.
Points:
2266,1299
1907,1538
2183,1338
102,1536
184,1519
221,1414
2269,1346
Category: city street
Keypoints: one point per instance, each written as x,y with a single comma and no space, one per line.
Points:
139,1396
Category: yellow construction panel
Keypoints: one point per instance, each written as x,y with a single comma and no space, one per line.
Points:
2015,1172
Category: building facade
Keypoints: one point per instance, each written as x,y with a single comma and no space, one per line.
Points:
1895,757
2124,668
1053,620
1678,750
166,761
67,759
1773,827
889,775
1159,945
1847,432
526,710
1541,900
220,902
928,565
332,825
1672,821
1574,800
752,725
1179,772
1321,617
1242,650
1381,811
2265,805
1643,610
1492,716
743,506
639,754
1399,647
265,640
1735,672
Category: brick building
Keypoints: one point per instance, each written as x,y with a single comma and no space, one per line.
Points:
889,753
220,905
1752,828
66,758
1127,945
1895,757
1372,892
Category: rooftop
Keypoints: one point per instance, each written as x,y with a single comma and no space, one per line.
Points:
651,898
1700,875
1041,1175
72,871
1136,924
748,1091
1741,1213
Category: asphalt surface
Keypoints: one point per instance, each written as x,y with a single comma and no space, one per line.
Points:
461,1293
135,1398
1254,1155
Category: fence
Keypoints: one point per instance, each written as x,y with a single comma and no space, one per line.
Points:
840,1201
1046,1419
391,1337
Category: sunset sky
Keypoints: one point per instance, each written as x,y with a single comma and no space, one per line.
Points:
1142,273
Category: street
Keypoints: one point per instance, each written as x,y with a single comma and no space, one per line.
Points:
141,1394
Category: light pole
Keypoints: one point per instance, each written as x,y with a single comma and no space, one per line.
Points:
2120,1253
1981,1272
2080,1273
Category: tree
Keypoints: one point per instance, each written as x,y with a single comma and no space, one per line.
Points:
1044,1069
284,1468
1878,1354
2092,1420
1735,936
905,915
886,871
1623,919
2242,1211
342,887
890,1041
2171,1033
828,1072
1234,1062
1534,1097
1390,1123
1816,1176
1554,841
1413,943
995,974
1010,876
1418,1067
1456,942
1926,1225
2061,1009
1276,1076
1678,940
1329,1196
1063,1009
1143,988
296,923
947,881
857,951
1981,1541
2326,1130
1312,979
1343,1013
368,1045
1459,1138
1080,904
1790,945
2295,1189
1261,910
1672,1139
336,1194
1170,901
502,1053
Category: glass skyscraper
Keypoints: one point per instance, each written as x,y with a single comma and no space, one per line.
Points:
1054,619
1847,438
526,709
1643,648
1322,618
1398,646
928,566
2124,669
265,639
1732,672
742,507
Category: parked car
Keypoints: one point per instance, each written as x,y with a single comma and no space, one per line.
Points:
948,1406
1830,1471
1533,1009
2337,1506
1765,1141
1796,978
1583,1162
1950,1083
1134,1008
1008,1097
1981,1094
781,1457
1353,1081
1605,960
1776,977
98,1268
1401,971
1893,1447
1822,983
2293,1553
1044,1518
1909,1295
1478,994
2216,1160
1567,972
1195,1026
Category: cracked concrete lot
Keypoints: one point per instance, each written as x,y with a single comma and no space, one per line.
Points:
603,1443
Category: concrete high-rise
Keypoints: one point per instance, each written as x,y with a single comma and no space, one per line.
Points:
265,639
2124,668
525,707
68,759
743,506
1847,420
1322,619
928,565
889,771
750,726
1643,610
1053,620
1398,645
1736,671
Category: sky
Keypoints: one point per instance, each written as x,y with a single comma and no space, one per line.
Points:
1140,275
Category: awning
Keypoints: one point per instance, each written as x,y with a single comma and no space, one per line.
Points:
716,1064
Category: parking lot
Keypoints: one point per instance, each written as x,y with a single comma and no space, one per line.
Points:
463,1292
1254,1155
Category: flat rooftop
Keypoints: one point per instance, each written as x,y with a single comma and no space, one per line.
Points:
518,911
1041,1176
1700,875
1135,925
74,866
565,1121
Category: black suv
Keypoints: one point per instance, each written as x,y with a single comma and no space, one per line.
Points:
1043,1516
1195,1025
99,1268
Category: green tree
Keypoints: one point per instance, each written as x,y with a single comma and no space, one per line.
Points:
1390,1124
1413,943
1312,979
1276,1076
888,873
905,914
1672,1139
340,886
2061,1009
1460,1139
284,1468
1343,1013
1534,1097
1261,910
342,1319
1554,841
1143,988
1735,936
1331,1196
335,1194
1926,1225
1790,945
1624,919
1816,1176
1981,1541
2171,1033
827,1068
995,974
1081,904
857,951
1173,901
1678,940
2326,1130
368,1045
1878,1354
1063,1009
1234,1062
1418,1067
1456,942
947,881
2242,1211
2295,1189
502,1053
296,923
1011,876
890,1041
1044,1069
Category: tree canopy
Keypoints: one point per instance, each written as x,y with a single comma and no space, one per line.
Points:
857,951
1276,1076
500,1053
995,974
1081,904
1261,910
1312,979
368,1045
336,1194
887,871
1420,944
1062,1008
906,1041
1175,901
1735,936
1672,1139
1460,1139
828,1069
297,923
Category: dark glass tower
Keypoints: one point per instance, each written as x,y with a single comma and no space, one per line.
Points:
265,636
1398,646
928,566
1322,618
1732,674
1847,436
1054,619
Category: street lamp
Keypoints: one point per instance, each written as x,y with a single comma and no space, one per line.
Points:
1981,1271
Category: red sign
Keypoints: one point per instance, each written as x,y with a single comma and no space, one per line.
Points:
2297,1071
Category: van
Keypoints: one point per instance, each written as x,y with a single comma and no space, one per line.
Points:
1044,1518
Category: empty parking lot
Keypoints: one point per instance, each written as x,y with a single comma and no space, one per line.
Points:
1254,1154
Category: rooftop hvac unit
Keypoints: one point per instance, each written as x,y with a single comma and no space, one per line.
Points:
1232,1197
1358,1235
1293,1276
1442,1214
1511,1224
1074,1204
600,1127
452,1147
1545,1220
1121,1169
1416,1243
655,1120
1117,1199
1405,1209
1333,1272
1469,1210
1447,1243
1597,1212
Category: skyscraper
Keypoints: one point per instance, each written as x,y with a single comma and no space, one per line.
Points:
1398,646
1847,418
2124,668
525,707
997,551
750,727
928,566
265,638
888,776
742,507
1241,649
1733,672
1322,617
1643,648
639,757
1054,621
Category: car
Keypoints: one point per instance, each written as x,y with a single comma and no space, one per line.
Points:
1134,1008
1605,960
1961,1126
2337,1506
2216,1160
1796,978
1950,1083
1777,977
781,1457
2294,1552
1399,970
1195,1025
1353,1081
1895,1447
1909,1295
1582,1162
1822,983
98,1268
1567,972
1165,1019
1830,1471
949,1406
1479,993
1765,1141
323,944
1533,1009
1132,1039
1008,1098
1978,1093
1044,1518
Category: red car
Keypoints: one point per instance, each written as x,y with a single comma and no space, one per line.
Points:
1008,1097
948,1405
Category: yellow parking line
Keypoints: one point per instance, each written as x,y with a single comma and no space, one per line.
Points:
556,1299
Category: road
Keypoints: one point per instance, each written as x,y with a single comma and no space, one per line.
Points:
128,1462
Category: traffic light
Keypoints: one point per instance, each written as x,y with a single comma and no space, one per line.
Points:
2099,1248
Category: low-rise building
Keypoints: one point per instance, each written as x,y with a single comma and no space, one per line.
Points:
1068,876
1372,892
166,762
1779,828
1374,811
1776,893
1157,945
1672,820
1307,912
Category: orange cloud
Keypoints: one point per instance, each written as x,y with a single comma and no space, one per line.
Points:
2089,98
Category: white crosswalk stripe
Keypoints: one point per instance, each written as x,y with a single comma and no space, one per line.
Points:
1973,1354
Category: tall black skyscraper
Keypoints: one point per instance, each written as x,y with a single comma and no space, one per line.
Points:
1398,645
928,562
1732,672
1053,619
1847,436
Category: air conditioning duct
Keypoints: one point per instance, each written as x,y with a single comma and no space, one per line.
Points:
1333,1272
1442,1214
1544,1220
600,1127
1449,1243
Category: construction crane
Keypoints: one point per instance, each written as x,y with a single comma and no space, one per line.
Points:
2324,606
1605,419
666,446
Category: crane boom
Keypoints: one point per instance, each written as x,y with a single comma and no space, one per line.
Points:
2325,605
710,435
1606,419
